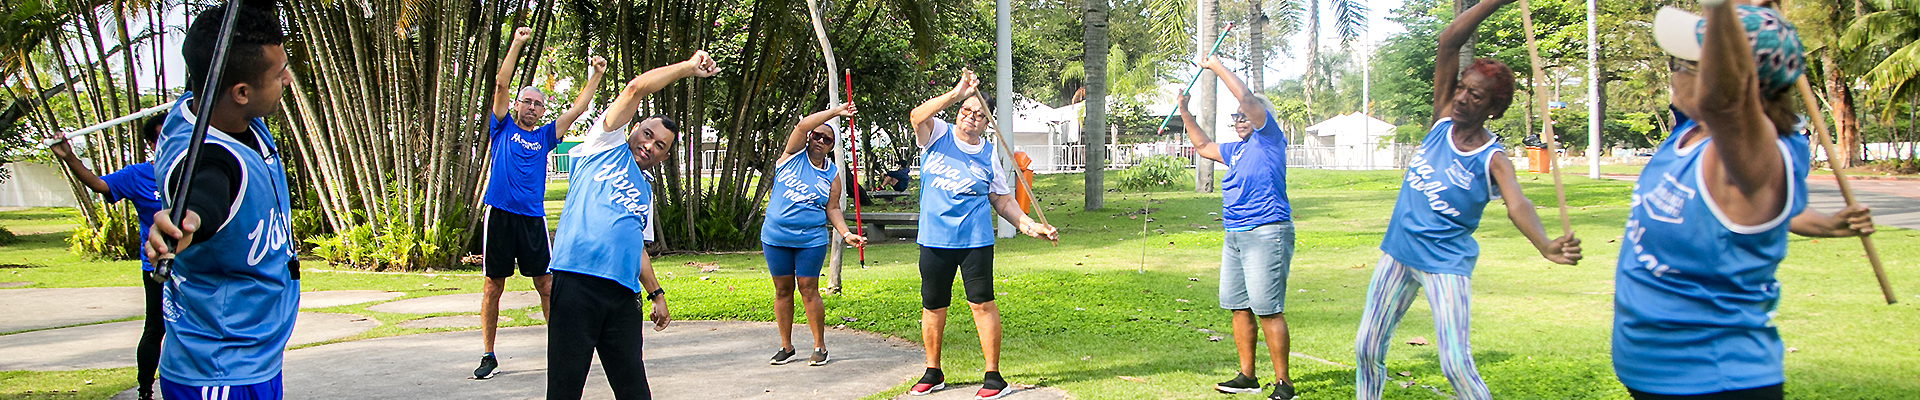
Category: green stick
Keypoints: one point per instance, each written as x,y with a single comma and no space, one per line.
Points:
1194,79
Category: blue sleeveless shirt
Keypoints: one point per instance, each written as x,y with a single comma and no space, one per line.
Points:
797,212
954,183
608,217
230,306
1441,198
1694,293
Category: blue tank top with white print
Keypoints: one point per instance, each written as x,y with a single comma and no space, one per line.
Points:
1694,293
231,303
608,217
1441,199
954,184
797,211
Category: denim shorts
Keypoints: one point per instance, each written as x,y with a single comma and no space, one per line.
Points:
1254,266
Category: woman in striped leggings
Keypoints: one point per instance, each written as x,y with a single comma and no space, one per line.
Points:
1429,240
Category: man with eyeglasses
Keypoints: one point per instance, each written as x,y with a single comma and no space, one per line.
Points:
1257,249
516,223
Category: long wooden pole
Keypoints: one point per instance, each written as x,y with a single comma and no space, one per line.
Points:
1546,119
1017,176
1846,190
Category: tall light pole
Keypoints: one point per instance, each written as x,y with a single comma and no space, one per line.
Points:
1593,94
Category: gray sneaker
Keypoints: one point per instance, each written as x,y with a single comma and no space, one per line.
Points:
819,358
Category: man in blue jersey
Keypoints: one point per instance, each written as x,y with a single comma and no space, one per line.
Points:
516,220
1695,292
133,183
600,263
1256,252
234,289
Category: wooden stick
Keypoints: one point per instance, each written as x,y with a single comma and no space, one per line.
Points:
1846,191
1546,119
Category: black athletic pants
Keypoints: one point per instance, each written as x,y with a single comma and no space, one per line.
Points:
148,354
592,313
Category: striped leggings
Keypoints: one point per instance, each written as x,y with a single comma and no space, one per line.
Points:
1388,297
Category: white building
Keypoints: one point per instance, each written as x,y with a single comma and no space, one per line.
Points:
1350,141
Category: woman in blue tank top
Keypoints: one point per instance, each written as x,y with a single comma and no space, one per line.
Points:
1429,243
1694,287
804,202
961,188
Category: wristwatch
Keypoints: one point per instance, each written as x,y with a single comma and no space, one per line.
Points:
656,293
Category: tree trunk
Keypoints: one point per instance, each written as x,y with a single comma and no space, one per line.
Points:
1256,47
1095,41
1205,89
1313,52
1840,100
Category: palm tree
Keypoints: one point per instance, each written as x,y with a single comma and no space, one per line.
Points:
1896,26
1094,67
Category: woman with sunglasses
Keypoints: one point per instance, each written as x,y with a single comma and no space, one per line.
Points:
1694,287
805,201
961,188
1429,243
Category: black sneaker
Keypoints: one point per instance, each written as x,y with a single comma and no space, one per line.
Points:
931,381
1281,391
783,357
487,366
992,387
819,358
1241,383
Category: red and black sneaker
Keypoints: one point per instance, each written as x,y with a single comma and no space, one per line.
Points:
992,387
931,381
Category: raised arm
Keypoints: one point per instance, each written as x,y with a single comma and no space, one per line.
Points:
1565,250
797,141
86,176
503,80
1446,68
1249,106
922,116
1201,144
620,112
1731,109
596,67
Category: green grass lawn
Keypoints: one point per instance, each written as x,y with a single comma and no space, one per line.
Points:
1081,317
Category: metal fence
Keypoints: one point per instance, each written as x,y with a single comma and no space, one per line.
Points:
1070,158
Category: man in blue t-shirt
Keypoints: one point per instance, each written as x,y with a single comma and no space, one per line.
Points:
230,299
133,183
600,264
516,223
1257,250
898,179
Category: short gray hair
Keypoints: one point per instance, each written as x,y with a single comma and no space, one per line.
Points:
523,91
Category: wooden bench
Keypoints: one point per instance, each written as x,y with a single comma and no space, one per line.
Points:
887,195
877,223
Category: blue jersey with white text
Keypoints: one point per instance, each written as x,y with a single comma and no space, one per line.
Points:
231,304
955,180
1254,191
608,217
797,212
1694,292
1441,198
517,173
135,183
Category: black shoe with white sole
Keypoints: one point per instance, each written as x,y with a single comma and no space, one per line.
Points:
488,367
1241,383
819,358
1281,391
784,356
932,381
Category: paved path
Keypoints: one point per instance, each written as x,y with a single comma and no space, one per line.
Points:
47,308
336,298
1894,203
457,303
112,345
690,360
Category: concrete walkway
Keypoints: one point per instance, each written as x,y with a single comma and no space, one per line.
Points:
47,308
336,298
1894,203
457,303
112,345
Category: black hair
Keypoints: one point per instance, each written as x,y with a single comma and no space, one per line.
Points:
255,27
150,129
903,163
665,122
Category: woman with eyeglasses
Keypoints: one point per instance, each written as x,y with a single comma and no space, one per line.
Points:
1429,244
961,188
805,202
1694,287
1256,251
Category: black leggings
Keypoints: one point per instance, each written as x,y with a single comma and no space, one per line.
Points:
937,267
1775,392
592,313
148,354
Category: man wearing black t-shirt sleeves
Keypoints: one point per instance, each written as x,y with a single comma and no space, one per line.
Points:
515,230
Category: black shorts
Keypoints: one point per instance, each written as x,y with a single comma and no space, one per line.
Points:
1774,392
510,237
937,267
